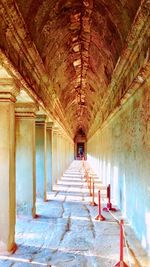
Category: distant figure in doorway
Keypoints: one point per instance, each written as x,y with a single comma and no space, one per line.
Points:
80,153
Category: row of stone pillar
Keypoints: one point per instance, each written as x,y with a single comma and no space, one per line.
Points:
33,156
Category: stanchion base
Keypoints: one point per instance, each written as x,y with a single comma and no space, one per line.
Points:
93,204
109,207
112,209
100,218
105,209
121,264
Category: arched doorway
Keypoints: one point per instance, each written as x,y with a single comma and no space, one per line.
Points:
80,145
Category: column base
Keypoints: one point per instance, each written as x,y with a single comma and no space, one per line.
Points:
5,252
33,212
36,216
45,197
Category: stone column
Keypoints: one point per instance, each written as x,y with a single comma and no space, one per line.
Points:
41,157
8,92
66,153
70,153
25,158
54,157
63,154
59,154
66,163
49,133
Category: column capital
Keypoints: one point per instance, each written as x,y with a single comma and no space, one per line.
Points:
59,133
55,129
26,110
50,125
8,89
41,119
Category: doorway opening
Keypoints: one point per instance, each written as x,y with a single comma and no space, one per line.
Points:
80,150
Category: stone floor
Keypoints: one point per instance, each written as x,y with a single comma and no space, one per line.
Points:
65,234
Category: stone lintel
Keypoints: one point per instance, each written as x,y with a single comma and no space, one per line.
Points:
23,110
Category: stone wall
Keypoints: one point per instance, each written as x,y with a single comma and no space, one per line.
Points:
120,154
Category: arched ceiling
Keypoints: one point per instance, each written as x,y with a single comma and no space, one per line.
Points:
79,42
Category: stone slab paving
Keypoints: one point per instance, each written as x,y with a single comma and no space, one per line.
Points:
66,234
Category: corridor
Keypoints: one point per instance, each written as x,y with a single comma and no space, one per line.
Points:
65,233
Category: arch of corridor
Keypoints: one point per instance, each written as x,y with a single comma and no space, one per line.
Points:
34,152
118,151
40,150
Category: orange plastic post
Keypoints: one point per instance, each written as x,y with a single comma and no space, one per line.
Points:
90,187
92,203
99,217
109,205
89,181
121,263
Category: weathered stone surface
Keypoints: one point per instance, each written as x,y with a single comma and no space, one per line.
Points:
66,233
122,159
7,166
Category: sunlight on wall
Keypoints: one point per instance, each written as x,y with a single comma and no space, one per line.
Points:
104,172
124,196
115,185
121,149
147,219
143,241
108,172
99,166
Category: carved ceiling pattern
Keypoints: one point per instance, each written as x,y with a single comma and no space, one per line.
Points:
79,43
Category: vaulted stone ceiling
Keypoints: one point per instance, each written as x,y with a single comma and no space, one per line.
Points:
79,42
